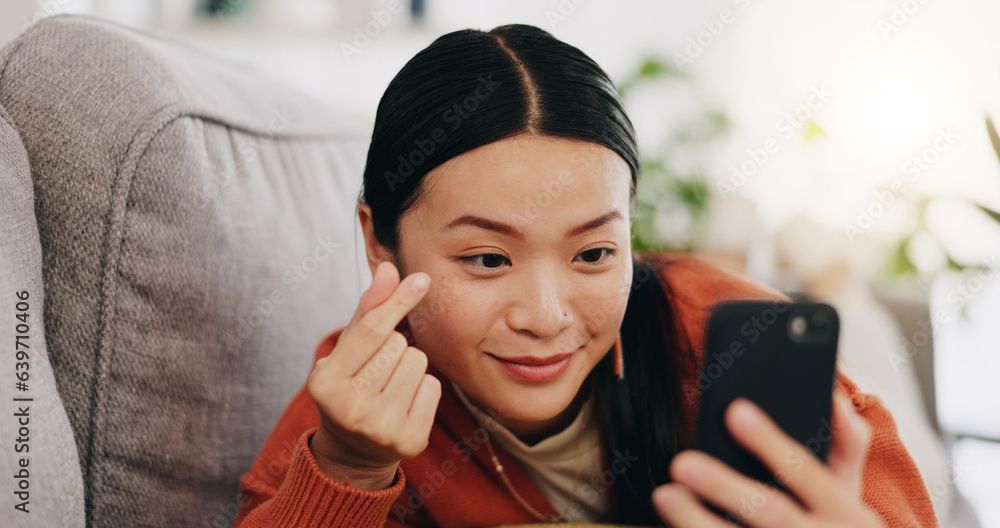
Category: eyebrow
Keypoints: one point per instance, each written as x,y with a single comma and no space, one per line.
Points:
511,231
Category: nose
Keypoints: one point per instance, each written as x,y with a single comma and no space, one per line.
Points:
541,305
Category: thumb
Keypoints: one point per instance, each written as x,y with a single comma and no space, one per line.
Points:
849,448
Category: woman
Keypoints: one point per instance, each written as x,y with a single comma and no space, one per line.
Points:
527,368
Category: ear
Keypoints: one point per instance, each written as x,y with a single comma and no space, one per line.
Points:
375,251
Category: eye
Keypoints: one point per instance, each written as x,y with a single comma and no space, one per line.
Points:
594,256
487,261
492,261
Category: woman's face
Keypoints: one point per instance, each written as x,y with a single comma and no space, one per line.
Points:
515,235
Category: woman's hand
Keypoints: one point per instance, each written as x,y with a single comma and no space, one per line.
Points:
828,495
376,401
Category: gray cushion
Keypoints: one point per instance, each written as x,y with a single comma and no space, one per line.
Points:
198,234
54,494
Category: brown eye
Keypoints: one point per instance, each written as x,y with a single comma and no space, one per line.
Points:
493,260
485,261
592,256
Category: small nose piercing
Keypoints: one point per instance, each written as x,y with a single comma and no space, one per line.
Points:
567,313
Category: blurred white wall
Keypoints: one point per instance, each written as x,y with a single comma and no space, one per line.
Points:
17,15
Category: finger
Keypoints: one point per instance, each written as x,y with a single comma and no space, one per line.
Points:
754,501
423,409
409,373
851,437
679,508
384,281
793,464
359,342
373,376
424,406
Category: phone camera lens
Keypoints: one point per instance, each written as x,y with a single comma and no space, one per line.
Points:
799,325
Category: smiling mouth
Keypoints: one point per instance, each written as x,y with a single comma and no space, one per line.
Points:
534,361
535,370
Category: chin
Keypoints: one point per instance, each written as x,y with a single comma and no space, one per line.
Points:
536,403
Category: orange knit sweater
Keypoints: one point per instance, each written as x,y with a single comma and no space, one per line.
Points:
453,484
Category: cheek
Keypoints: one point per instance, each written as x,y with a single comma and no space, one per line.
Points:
434,308
606,302
449,318
606,312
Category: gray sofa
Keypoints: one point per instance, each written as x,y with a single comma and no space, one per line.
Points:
187,235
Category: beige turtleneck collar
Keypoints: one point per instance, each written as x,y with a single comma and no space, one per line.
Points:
553,462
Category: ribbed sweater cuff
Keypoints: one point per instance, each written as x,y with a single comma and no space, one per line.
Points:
308,497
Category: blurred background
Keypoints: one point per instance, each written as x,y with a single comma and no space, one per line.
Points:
842,152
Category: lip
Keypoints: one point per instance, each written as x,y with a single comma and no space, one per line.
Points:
531,360
535,369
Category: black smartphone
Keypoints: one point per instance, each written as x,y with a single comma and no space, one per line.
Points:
780,355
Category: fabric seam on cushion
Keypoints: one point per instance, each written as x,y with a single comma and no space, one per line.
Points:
114,239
